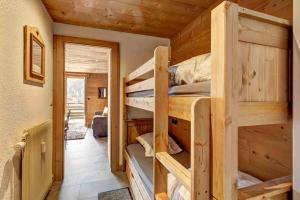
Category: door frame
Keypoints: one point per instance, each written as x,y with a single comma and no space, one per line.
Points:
59,100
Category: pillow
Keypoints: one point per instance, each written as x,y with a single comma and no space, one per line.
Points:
146,140
105,111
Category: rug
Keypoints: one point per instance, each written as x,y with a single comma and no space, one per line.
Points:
119,194
75,133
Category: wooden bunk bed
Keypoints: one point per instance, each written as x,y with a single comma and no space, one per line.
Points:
249,88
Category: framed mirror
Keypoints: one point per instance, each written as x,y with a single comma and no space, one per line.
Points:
34,56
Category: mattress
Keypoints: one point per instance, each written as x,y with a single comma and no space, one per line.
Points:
200,88
143,164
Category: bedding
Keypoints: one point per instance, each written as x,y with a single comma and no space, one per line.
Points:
176,191
146,140
196,69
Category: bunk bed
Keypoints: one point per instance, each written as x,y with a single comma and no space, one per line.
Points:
248,87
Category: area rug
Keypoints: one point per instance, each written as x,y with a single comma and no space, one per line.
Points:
75,133
119,194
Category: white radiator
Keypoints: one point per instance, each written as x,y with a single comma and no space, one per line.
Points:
36,161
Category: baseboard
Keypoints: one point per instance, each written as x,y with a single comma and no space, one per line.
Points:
296,195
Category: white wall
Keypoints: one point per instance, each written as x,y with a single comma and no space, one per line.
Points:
21,105
296,98
134,51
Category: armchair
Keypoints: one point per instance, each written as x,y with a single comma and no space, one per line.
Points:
99,125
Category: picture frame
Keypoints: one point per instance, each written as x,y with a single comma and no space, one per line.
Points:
102,92
34,57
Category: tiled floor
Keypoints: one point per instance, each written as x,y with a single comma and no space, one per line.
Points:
87,171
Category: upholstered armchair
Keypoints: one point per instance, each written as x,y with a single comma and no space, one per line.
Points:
99,124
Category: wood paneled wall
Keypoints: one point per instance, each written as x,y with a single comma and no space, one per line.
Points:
93,103
266,151
195,39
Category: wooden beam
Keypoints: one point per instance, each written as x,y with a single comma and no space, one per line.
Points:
182,174
224,100
200,149
268,189
161,120
147,84
145,68
262,113
263,17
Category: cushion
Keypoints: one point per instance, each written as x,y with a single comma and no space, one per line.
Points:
146,140
105,111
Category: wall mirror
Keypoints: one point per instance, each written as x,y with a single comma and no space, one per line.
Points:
34,56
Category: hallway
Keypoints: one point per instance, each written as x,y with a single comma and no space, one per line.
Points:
87,171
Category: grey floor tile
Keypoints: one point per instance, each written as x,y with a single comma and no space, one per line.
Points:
87,171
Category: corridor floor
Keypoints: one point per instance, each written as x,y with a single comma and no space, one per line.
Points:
87,171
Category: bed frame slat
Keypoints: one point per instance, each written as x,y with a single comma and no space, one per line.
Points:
145,68
178,170
267,190
147,84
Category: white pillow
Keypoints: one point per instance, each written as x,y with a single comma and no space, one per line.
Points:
105,111
146,140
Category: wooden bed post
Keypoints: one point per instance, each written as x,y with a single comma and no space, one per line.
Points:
200,149
124,125
224,102
160,116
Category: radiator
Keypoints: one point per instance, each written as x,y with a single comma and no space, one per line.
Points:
37,161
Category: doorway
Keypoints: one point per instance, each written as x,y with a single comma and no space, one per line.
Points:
75,100
59,100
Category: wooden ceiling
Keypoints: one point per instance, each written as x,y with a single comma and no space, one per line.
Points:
86,59
162,18
150,17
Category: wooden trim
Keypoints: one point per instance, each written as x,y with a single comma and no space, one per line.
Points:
263,17
58,108
263,33
147,84
267,190
262,113
59,100
180,106
161,120
145,68
180,172
200,149
224,102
